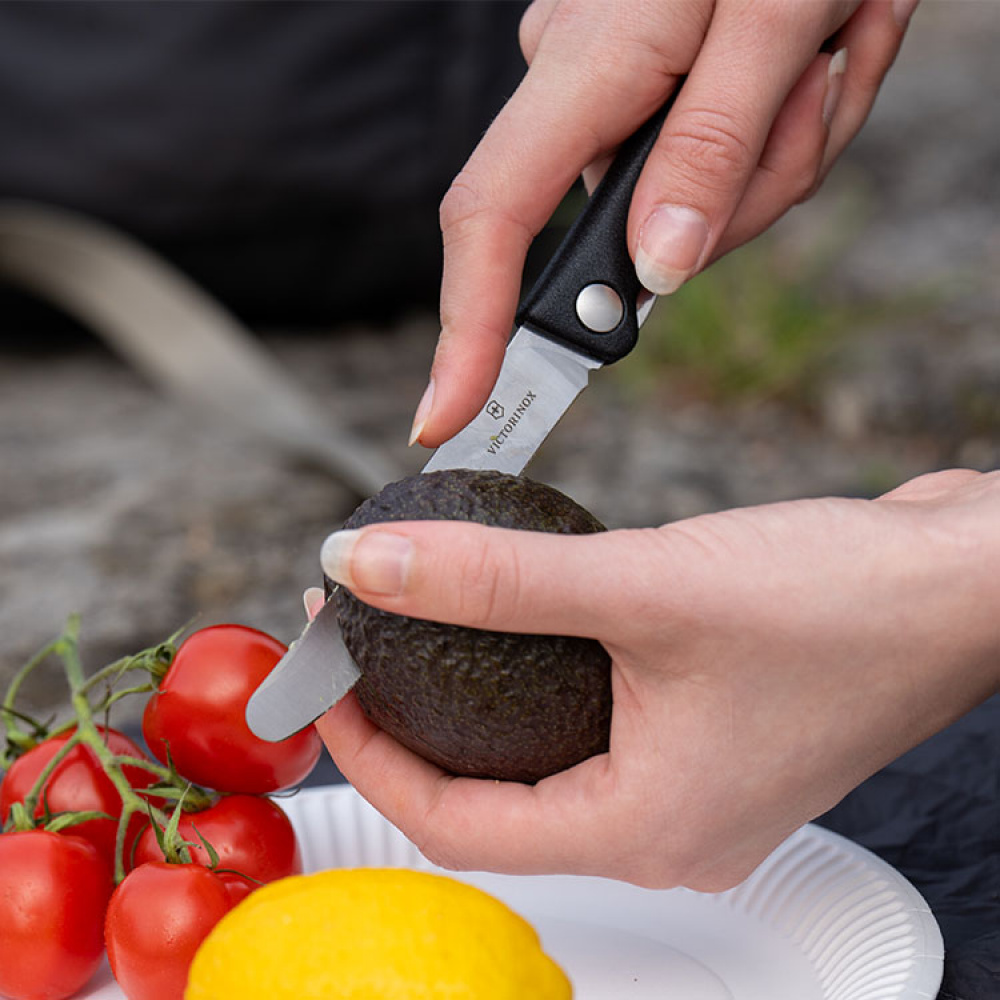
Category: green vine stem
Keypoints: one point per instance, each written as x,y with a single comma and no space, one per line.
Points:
32,798
13,735
88,733
153,662
84,730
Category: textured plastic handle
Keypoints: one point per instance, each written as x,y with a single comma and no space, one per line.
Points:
595,251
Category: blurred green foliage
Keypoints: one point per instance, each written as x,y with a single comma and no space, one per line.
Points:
757,324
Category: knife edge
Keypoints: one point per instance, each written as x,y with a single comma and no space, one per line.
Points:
315,673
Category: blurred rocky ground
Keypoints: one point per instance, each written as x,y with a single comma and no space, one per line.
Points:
143,515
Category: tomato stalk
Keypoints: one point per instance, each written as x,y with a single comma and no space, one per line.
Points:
31,799
87,733
155,661
16,740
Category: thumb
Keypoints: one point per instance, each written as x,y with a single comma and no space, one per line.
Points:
495,578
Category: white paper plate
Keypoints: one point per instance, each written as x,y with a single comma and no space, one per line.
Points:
821,919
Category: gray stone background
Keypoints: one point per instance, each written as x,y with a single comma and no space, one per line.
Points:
141,514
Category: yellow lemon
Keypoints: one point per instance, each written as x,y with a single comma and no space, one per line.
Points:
373,934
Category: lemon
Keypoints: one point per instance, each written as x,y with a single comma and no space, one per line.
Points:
373,934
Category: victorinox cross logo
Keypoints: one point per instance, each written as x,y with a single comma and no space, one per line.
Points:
494,409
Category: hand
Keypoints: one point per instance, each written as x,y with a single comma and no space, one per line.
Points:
764,662
763,115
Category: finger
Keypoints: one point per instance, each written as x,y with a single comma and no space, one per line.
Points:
872,37
382,770
463,823
811,130
533,23
792,159
313,599
931,486
499,579
713,138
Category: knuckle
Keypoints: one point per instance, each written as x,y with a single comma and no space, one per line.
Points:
811,179
572,18
656,867
530,30
462,206
442,854
472,207
490,584
807,192
435,836
726,877
769,16
805,180
711,143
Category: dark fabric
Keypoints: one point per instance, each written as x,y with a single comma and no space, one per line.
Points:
972,970
290,155
935,816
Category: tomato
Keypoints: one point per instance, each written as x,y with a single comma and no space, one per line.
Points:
54,889
199,713
236,885
79,784
156,920
251,834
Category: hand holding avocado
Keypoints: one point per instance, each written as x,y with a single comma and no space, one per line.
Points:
764,662
485,704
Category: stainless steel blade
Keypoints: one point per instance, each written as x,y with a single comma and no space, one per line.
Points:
315,673
538,381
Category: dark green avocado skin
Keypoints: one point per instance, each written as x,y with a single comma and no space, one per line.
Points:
482,704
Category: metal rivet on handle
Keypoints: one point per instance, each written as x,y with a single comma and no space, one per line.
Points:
599,308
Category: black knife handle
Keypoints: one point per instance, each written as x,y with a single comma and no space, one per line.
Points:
595,251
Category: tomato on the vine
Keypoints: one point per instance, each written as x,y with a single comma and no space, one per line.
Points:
54,889
198,715
236,885
79,784
156,920
250,834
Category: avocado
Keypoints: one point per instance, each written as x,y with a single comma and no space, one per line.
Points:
478,703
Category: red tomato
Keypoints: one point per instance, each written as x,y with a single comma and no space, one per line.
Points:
199,712
251,834
237,886
156,920
79,784
54,889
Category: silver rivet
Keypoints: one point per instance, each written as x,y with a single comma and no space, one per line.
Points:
600,308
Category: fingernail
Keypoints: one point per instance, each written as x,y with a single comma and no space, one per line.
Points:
313,599
902,11
423,412
671,242
377,562
834,85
